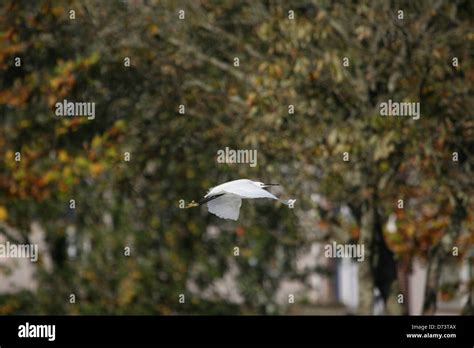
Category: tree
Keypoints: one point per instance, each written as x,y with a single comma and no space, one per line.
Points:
171,88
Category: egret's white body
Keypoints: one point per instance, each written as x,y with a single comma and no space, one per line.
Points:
225,200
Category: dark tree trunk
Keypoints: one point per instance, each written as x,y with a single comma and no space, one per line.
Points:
379,270
366,279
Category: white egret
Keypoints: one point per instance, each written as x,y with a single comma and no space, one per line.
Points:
225,200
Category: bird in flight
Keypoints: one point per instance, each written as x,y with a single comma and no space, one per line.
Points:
225,200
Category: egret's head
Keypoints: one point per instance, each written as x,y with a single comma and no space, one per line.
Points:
263,185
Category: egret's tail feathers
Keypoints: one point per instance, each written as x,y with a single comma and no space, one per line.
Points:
289,202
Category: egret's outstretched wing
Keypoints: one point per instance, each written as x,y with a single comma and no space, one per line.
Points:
249,190
226,206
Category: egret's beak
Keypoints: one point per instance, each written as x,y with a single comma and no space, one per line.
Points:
266,185
192,205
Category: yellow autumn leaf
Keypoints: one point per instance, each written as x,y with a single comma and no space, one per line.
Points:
96,168
67,171
81,162
62,155
3,213
96,141
48,177
25,123
8,154
153,29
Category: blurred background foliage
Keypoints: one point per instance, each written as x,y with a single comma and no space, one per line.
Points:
190,62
